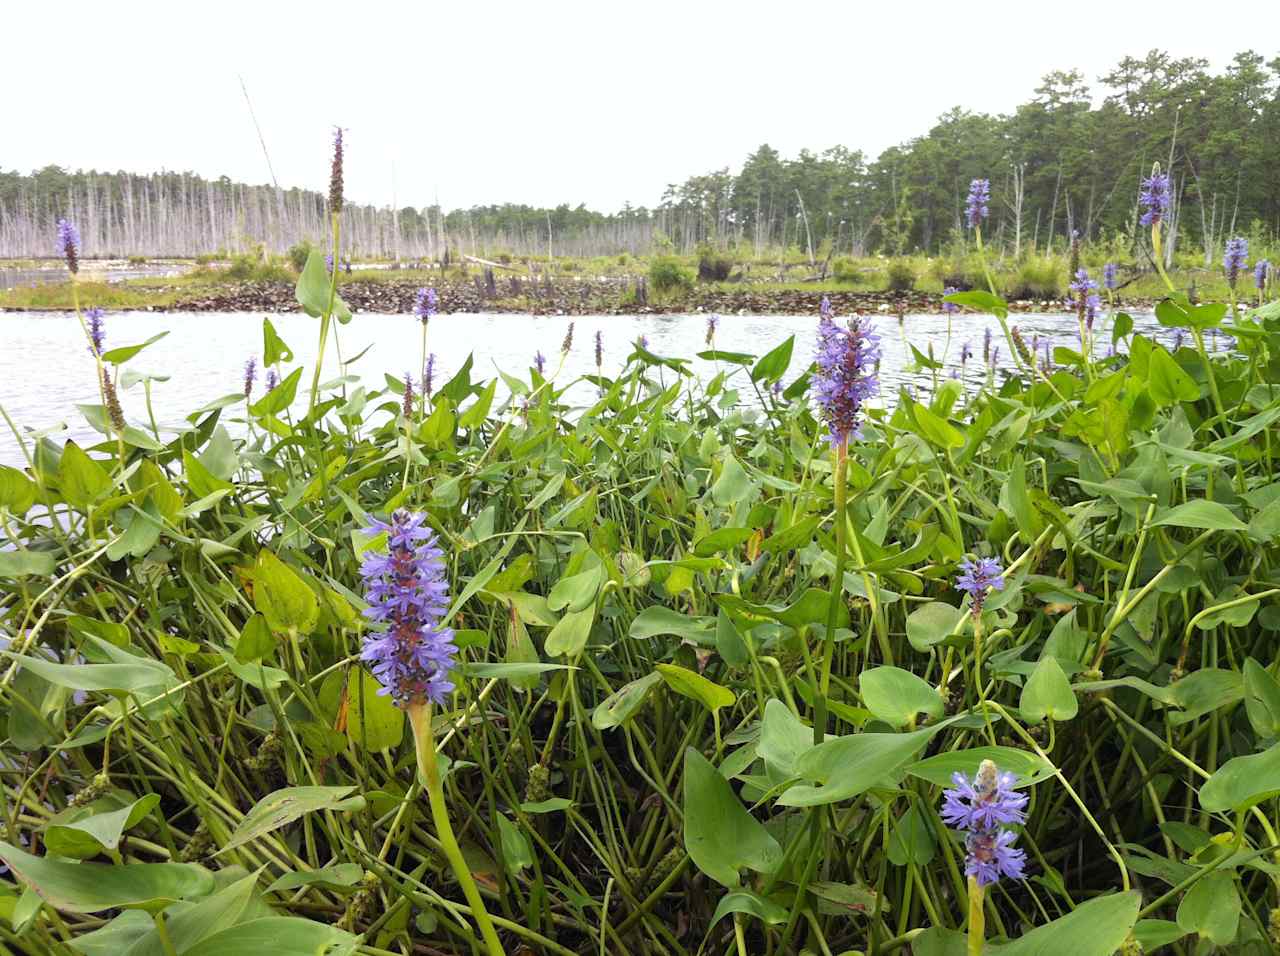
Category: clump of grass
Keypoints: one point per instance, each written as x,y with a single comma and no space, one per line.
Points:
668,275
900,275
1039,277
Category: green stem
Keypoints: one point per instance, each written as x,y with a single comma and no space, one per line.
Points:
977,919
424,740
162,930
837,591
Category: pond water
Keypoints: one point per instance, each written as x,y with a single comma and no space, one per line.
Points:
46,368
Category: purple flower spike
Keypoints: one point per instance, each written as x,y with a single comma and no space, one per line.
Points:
713,323
977,578
1260,274
97,332
428,372
599,348
1155,197
986,345
845,376
273,379
975,207
335,175
1110,275
250,374
643,342
69,244
1234,260
411,654
966,352
950,307
984,807
1087,301
540,363
426,304
824,309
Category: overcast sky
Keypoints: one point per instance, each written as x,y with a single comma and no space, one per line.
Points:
490,101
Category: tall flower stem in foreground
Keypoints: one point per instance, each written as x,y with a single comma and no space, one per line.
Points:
412,656
845,378
335,218
429,768
975,212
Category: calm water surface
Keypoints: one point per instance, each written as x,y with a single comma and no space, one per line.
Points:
46,369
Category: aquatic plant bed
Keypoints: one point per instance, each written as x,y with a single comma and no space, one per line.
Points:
413,667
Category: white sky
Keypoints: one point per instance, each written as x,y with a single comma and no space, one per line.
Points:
492,101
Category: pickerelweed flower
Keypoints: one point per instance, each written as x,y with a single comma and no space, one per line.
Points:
69,244
1155,198
599,348
995,356
97,332
713,323
1110,275
1179,335
406,404
1260,274
1235,258
824,309
984,807
979,577
643,342
273,379
428,373
1087,301
567,344
845,377
328,262
540,362
949,307
966,352
975,207
987,801
335,176
411,653
250,374
1048,353
986,345
426,304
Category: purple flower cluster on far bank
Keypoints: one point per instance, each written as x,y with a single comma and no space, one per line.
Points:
1109,275
426,304
1086,292
1155,198
411,653
975,207
69,244
250,375
97,332
845,376
977,578
984,807
1235,258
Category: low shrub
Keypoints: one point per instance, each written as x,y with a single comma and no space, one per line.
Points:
901,275
668,274
298,253
714,265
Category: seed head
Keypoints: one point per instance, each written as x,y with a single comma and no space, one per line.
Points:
567,344
335,177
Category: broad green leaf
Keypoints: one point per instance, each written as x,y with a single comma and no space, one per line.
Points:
1029,521
939,769
256,640
81,479
722,539
474,416
1211,908
278,936
773,364
1167,383
17,491
282,596
578,591
657,620
374,722
935,429
133,676
21,563
90,835
910,840
93,887
187,925
312,290
1048,693
720,836
750,904
569,636
693,685
622,704
896,696
516,851
1242,781
932,624
279,398
1262,699
284,806
1202,514
520,649
979,301
1096,928
784,738
122,354
733,485
200,480
844,767
340,874
274,348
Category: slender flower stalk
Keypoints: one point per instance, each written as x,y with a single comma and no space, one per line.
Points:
976,210
335,221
